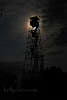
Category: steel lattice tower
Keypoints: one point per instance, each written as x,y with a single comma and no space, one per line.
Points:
34,61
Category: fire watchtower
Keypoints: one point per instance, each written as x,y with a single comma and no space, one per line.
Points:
33,57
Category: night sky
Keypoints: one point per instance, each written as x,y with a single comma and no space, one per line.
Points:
13,30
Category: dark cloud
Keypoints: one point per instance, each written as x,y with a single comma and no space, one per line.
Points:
54,24
62,38
57,10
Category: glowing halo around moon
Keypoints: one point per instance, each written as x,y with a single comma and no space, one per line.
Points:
27,25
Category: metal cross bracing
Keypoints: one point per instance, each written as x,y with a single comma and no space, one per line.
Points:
33,57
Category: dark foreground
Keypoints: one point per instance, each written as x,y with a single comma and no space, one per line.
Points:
48,82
